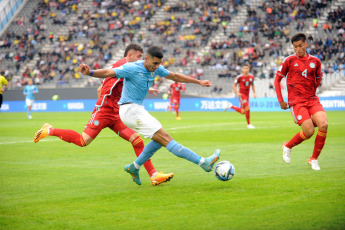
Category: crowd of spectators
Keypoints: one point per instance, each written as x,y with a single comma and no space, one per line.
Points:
29,33
90,39
189,25
186,27
336,22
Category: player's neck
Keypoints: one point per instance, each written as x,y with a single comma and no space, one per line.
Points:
305,55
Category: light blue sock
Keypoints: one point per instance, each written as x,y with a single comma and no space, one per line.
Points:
148,152
29,113
183,152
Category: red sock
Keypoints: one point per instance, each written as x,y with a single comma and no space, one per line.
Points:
176,109
138,145
237,109
319,143
68,135
248,116
297,139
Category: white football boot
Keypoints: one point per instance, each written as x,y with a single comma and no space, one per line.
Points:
286,153
314,164
228,106
250,126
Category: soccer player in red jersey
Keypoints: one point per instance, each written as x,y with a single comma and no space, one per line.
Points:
303,75
175,97
245,80
106,114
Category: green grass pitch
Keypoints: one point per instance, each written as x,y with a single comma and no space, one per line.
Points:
57,185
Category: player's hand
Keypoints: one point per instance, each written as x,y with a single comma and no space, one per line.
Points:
34,91
2,90
84,69
205,83
153,91
238,95
283,105
254,95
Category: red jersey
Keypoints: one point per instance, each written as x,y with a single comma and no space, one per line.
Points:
111,90
303,76
245,82
175,89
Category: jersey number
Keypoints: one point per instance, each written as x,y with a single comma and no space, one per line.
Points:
304,73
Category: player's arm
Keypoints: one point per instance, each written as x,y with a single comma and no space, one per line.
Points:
253,88
99,73
25,91
5,85
234,87
278,89
99,90
280,74
319,75
185,79
153,91
36,90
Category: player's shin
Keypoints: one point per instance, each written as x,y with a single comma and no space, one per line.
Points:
248,116
138,146
147,153
319,143
183,152
297,139
68,135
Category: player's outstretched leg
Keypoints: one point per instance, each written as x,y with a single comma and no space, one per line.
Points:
147,153
228,106
286,153
42,133
209,161
131,169
160,177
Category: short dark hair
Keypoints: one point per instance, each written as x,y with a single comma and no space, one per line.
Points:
155,51
297,37
245,64
133,47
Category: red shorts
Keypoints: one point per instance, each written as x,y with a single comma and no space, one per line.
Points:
244,100
303,111
106,117
175,100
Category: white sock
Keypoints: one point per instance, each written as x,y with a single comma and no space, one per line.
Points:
136,165
202,160
153,175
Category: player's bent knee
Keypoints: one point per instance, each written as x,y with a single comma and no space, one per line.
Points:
133,137
309,132
323,126
86,139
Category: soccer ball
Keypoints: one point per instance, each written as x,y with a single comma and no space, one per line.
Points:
224,171
165,96
55,97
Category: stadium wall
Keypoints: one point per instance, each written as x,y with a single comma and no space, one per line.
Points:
187,104
8,8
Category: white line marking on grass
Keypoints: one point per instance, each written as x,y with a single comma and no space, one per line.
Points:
17,142
175,128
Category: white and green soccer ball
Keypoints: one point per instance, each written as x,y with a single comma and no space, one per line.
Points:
224,171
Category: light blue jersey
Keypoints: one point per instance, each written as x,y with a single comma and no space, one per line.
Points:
29,90
137,81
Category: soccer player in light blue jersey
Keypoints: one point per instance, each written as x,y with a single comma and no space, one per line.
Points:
29,91
138,78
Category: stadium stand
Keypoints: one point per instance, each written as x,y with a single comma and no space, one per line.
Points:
206,39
